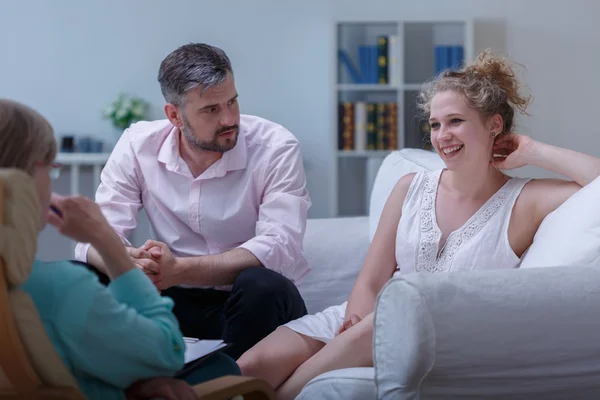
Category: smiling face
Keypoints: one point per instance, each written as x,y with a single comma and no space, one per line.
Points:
460,134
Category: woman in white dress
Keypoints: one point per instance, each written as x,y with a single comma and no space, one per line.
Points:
469,215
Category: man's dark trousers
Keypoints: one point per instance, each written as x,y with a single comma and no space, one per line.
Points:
259,302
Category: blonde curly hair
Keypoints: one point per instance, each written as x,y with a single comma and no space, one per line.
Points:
489,85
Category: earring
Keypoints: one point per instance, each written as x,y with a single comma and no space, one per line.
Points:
493,134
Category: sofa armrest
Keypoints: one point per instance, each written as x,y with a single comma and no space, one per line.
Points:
341,384
514,333
335,249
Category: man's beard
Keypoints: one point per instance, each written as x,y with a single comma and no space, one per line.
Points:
211,145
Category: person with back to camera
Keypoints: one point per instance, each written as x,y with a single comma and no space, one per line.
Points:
120,340
469,215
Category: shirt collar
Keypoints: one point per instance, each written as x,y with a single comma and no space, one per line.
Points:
169,150
232,160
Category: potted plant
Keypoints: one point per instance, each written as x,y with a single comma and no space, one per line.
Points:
126,110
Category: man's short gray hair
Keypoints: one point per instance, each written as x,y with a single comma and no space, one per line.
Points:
189,67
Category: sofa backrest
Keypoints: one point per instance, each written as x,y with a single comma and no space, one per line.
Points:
395,166
518,334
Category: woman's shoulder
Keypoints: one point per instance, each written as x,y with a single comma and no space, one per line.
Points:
403,188
536,189
407,184
546,194
411,178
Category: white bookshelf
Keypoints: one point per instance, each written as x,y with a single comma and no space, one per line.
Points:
411,56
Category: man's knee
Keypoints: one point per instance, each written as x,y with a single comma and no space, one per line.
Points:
260,282
259,288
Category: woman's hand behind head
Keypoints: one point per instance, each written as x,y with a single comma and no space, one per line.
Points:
78,218
512,151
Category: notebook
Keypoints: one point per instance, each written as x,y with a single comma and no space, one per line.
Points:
197,350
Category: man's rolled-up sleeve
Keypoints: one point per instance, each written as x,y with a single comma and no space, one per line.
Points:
282,214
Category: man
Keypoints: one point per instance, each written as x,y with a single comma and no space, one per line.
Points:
226,197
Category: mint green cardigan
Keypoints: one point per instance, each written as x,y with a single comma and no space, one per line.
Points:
108,336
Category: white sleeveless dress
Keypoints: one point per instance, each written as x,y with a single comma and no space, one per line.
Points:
481,243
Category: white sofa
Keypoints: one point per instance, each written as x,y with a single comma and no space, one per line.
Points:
523,333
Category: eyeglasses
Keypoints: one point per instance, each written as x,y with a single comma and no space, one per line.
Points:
53,169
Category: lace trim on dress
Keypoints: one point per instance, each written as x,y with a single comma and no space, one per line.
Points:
428,259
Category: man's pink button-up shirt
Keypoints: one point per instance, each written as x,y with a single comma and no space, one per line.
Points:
254,197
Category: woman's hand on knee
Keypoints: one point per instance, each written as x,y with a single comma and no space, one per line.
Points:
350,321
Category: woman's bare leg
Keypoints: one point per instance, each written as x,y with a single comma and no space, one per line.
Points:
352,348
275,357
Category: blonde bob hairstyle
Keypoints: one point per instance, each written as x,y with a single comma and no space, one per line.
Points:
26,137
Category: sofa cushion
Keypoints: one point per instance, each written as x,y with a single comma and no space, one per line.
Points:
571,234
334,249
518,333
395,166
343,384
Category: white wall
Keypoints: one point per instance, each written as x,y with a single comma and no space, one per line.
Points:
70,58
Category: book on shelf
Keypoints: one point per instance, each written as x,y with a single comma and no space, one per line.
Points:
376,63
367,126
382,60
346,126
448,57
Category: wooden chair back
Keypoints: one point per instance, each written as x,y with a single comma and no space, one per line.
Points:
30,367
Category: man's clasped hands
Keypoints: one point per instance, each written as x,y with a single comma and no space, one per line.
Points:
158,263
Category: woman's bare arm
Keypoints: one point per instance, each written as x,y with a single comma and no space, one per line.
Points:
380,262
545,195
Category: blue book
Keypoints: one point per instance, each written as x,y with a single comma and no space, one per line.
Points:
350,67
442,58
456,57
373,60
368,63
364,64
